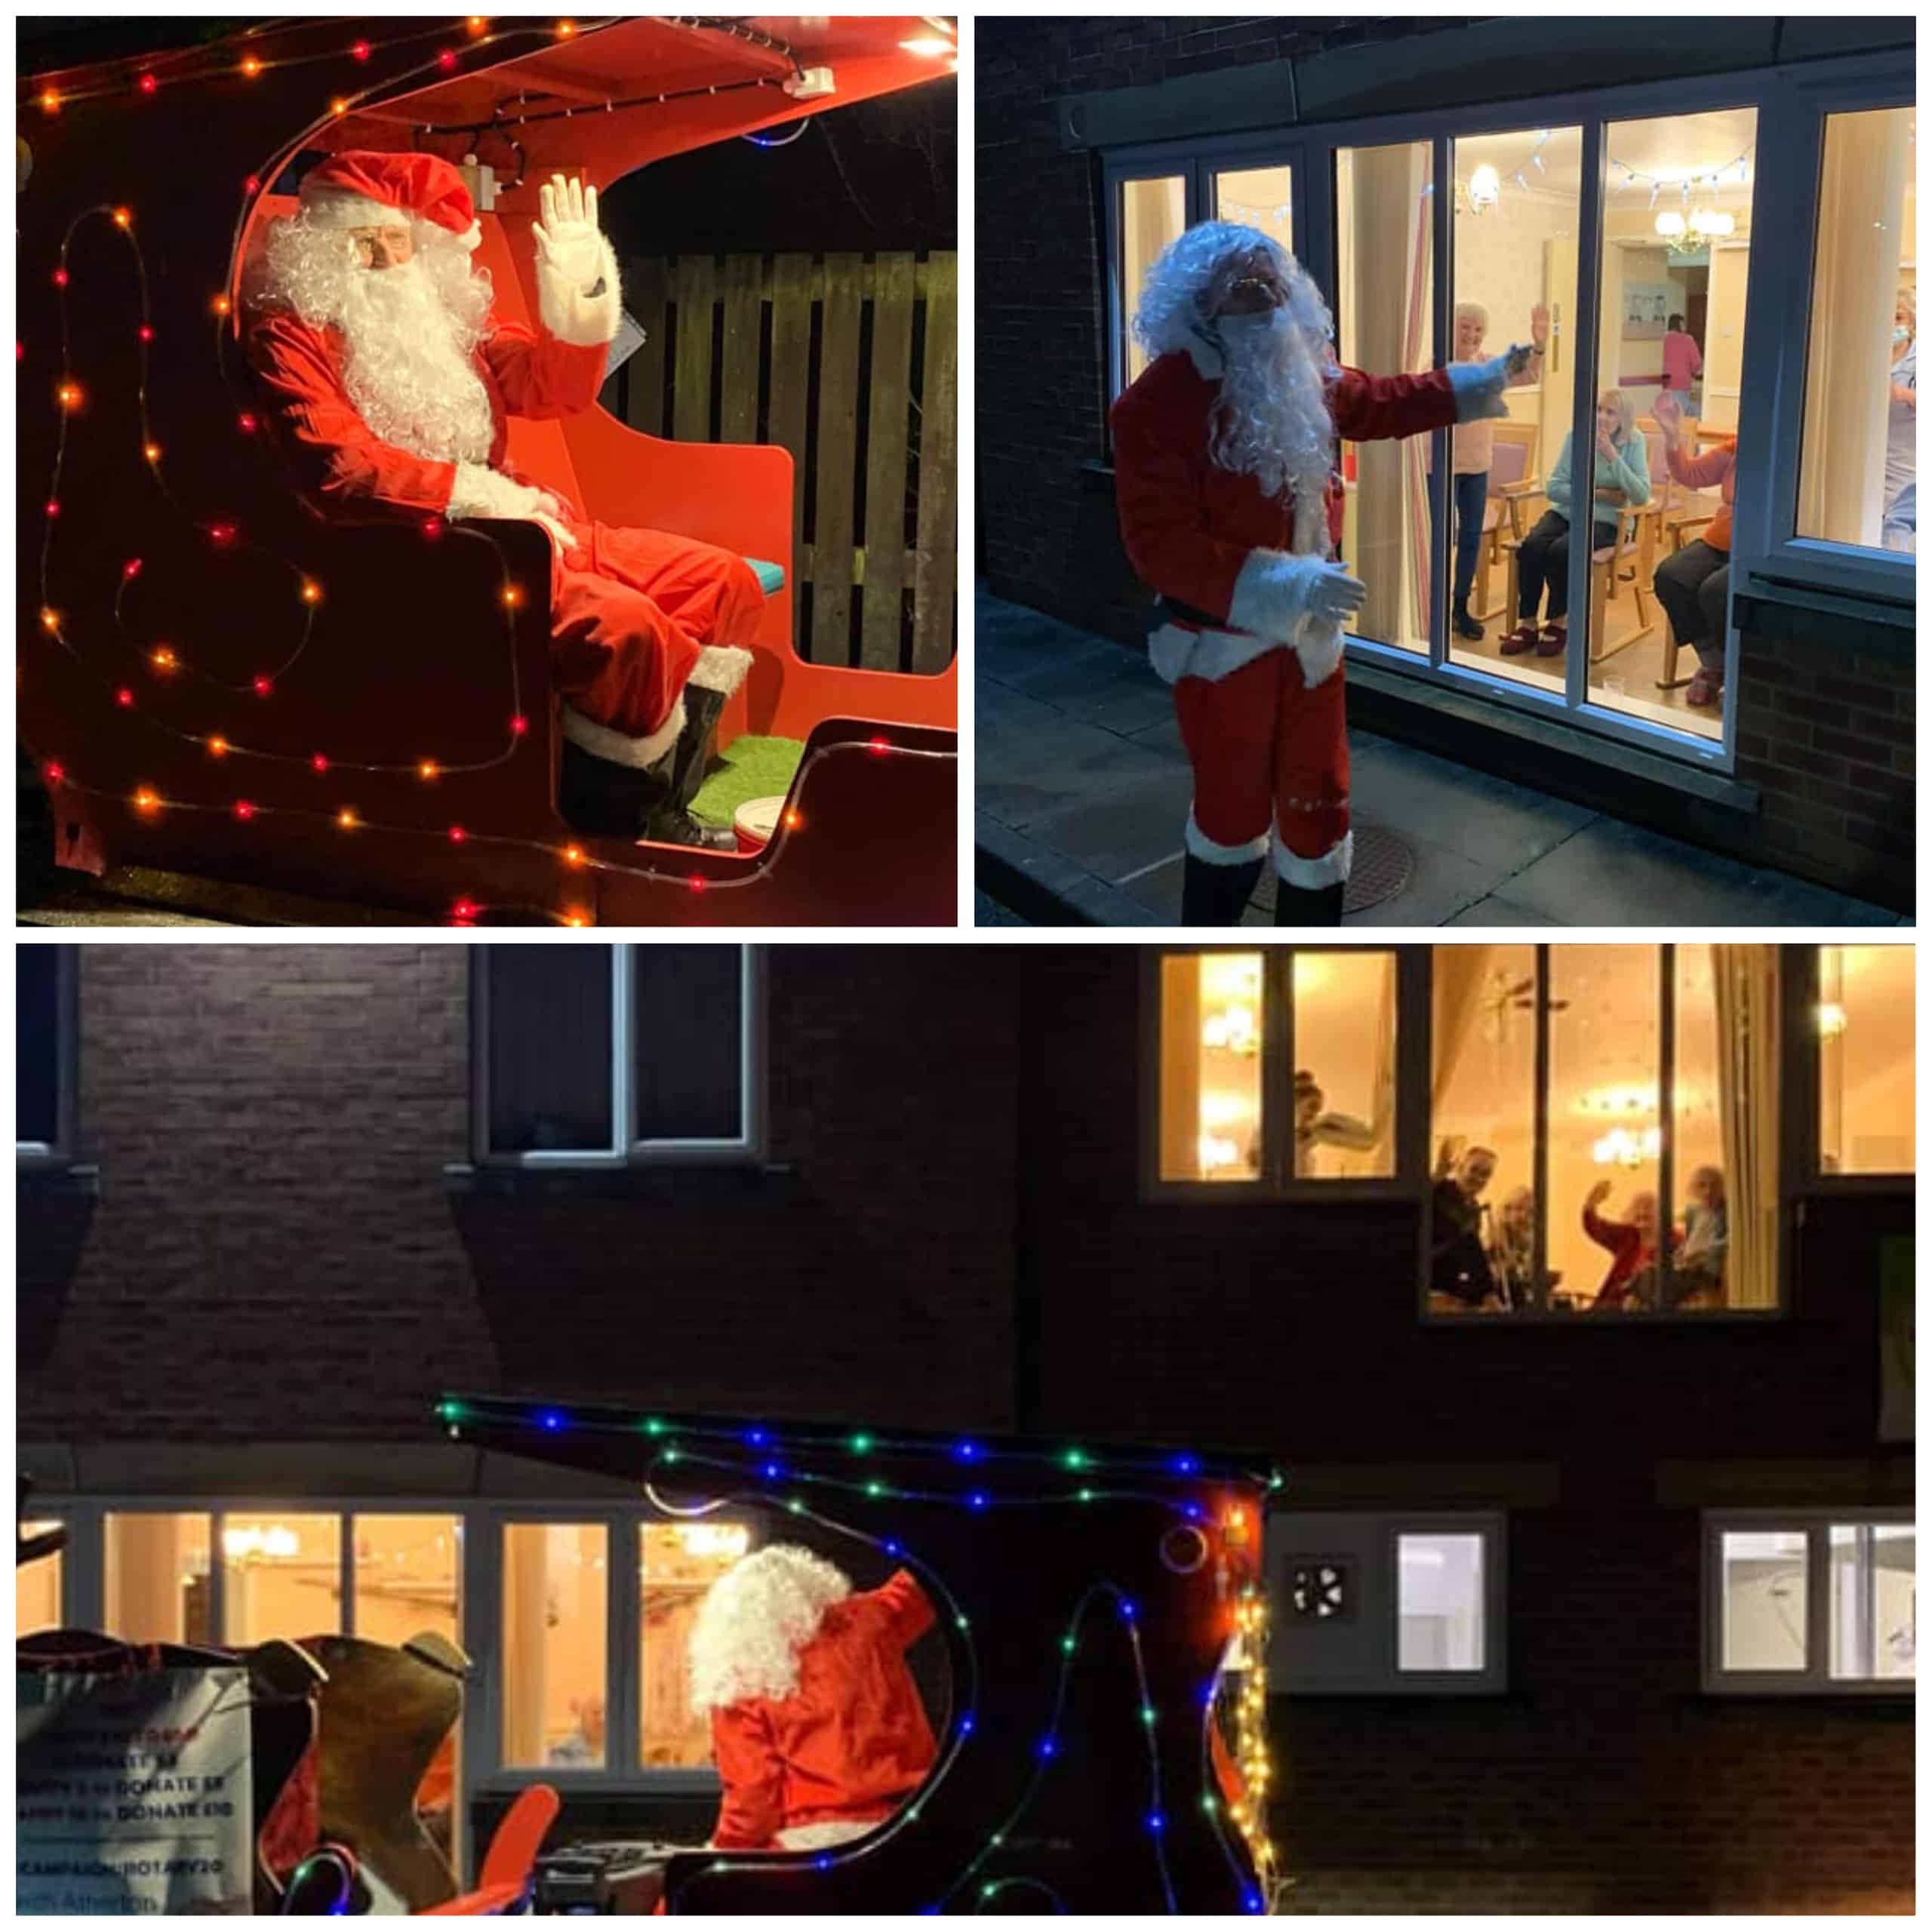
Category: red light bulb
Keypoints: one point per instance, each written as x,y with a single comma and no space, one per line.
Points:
361,50
131,568
464,908
262,686
149,85
53,773
446,61
125,698
878,746
243,810
246,423
147,334
433,527
698,882
60,277
519,727
319,762
52,508
457,834
252,185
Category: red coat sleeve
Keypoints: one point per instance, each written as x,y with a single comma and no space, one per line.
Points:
541,377
1163,520
1369,409
341,463
909,1610
748,1764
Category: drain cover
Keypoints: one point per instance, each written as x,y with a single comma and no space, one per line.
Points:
1384,863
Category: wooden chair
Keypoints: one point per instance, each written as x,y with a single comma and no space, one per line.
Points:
1634,545
1512,482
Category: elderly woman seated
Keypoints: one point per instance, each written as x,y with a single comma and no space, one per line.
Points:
1543,564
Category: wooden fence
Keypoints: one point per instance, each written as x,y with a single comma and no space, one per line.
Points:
851,362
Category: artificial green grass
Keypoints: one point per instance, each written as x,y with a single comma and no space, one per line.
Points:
751,768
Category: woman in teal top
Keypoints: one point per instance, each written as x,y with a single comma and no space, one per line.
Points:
1543,564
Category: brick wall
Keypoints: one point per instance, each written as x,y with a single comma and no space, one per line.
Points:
1602,1781
275,1253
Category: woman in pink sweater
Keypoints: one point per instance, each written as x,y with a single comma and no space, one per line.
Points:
1694,586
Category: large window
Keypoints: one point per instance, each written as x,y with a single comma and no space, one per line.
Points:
556,1645
1628,217
1867,1060
1858,482
677,1564
44,1005
1811,1603
157,1586
1371,1604
37,1586
1607,1124
1273,1072
590,1055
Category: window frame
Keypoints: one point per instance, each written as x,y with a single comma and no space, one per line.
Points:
748,1148
1789,970
1382,1531
1272,1188
1770,560
1798,572
1815,1679
1804,1088
43,1156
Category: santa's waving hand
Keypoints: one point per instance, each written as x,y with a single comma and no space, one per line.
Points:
392,380
1230,508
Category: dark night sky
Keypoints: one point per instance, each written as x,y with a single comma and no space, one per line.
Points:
882,174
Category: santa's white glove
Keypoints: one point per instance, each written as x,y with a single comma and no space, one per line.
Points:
1478,386
1335,596
576,272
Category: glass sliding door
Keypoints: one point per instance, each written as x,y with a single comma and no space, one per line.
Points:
1676,256
1149,213
1385,282
1517,198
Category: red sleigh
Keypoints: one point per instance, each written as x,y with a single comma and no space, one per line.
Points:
212,681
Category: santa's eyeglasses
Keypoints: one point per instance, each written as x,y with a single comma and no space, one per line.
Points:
389,245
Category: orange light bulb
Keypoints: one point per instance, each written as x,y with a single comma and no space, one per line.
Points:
50,101
573,854
217,748
250,67
146,801
338,107
162,660
221,305
346,818
49,620
152,451
311,593
427,769
123,217
512,597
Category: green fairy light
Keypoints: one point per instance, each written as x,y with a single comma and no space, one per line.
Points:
1207,1803
670,1455
796,1507
1147,1714
1076,1459
1069,1644
960,1620
1086,1495
861,1445
450,1411
653,1425
875,1488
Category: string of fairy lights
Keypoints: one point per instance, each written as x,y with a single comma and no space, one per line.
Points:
775,1452
166,663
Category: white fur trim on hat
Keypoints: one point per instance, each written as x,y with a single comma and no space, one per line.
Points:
1214,854
341,208
615,747
1309,875
586,318
720,667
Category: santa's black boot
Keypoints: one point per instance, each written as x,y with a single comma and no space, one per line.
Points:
683,770
1308,905
1216,895
600,796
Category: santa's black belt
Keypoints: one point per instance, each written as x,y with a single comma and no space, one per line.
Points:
1206,620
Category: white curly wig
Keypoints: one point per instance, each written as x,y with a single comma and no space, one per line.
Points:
410,332
1279,430
754,1622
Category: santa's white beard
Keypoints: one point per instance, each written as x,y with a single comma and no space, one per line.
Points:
1272,420
407,370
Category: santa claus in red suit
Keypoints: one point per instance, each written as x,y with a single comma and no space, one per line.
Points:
1230,508
818,1728
372,334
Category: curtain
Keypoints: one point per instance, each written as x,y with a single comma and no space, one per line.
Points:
1861,199
1459,972
1745,978
1382,1156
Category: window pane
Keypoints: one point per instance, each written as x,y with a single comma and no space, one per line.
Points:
677,1564
556,1634
1257,198
1604,1136
282,1577
1866,1056
1764,1599
1517,195
688,1038
1211,1024
37,1045
549,1048
1483,1105
1857,475
408,1582
1383,197
1153,214
1345,1087
37,1586
1874,1600
1676,256
1725,1152
155,1579
1440,1602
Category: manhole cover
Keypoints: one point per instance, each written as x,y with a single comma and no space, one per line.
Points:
1383,866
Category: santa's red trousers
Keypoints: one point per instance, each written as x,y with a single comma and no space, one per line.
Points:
631,608
1265,746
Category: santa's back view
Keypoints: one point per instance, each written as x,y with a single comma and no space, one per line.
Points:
818,1726
393,384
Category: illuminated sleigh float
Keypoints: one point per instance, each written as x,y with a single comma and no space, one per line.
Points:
1104,1751
213,681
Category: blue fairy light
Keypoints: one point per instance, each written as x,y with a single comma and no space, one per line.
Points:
550,1418
1186,1465
1156,1823
967,1452
893,1549
823,1862
772,1472
979,1499
1049,1747
966,1724
756,1438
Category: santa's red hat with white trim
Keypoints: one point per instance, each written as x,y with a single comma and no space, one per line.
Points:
363,189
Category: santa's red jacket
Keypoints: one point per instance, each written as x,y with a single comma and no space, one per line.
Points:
1190,525
850,1745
